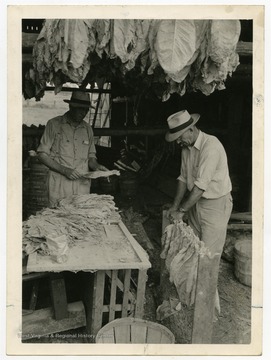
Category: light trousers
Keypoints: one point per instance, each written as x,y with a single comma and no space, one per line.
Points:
209,218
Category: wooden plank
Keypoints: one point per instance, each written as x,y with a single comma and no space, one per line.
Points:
34,276
98,301
123,334
239,227
205,300
121,287
138,334
244,216
113,291
42,322
138,249
107,337
244,48
125,299
142,235
140,296
153,336
58,296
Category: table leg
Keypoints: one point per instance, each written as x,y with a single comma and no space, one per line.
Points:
140,296
126,283
113,293
97,302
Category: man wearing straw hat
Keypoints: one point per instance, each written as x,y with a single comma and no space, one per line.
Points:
67,149
204,186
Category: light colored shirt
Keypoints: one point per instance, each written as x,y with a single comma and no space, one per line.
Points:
205,165
69,146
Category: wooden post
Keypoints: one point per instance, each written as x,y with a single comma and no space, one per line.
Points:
113,292
141,285
58,296
98,302
205,299
126,283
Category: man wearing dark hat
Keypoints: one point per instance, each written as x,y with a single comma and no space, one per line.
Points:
204,186
67,148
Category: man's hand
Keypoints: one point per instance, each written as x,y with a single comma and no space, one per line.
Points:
101,168
170,211
71,174
175,215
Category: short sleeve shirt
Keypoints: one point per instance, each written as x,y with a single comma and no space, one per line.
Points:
205,165
69,146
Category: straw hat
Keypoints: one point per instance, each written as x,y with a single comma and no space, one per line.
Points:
178,123
80,99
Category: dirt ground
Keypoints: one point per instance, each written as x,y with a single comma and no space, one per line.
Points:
233,325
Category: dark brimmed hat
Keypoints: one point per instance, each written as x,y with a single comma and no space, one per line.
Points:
178,123
80,99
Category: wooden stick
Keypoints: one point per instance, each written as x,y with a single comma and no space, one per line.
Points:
112,306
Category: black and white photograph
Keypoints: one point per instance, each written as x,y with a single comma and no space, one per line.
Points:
137,158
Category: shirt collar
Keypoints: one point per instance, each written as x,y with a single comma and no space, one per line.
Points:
66,120
198,142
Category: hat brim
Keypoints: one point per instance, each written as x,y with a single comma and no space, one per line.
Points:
86,106
174,136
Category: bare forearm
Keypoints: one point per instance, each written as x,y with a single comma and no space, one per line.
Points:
193,198
180,192
94,165
51,164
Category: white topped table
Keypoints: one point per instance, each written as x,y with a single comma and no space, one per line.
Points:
116,259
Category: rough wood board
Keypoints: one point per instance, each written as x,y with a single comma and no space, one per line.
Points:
205,300
239,227
98,302
245,216
58,296
121,249
142,236
140,296
41,322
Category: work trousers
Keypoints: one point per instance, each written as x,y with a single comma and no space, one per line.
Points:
59,187
209,218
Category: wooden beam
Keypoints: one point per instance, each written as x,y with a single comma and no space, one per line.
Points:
244,216
113,293
140,296
244,48
205,299
141,236
126,290
70,89
58,296
29,132
239,227
98,302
